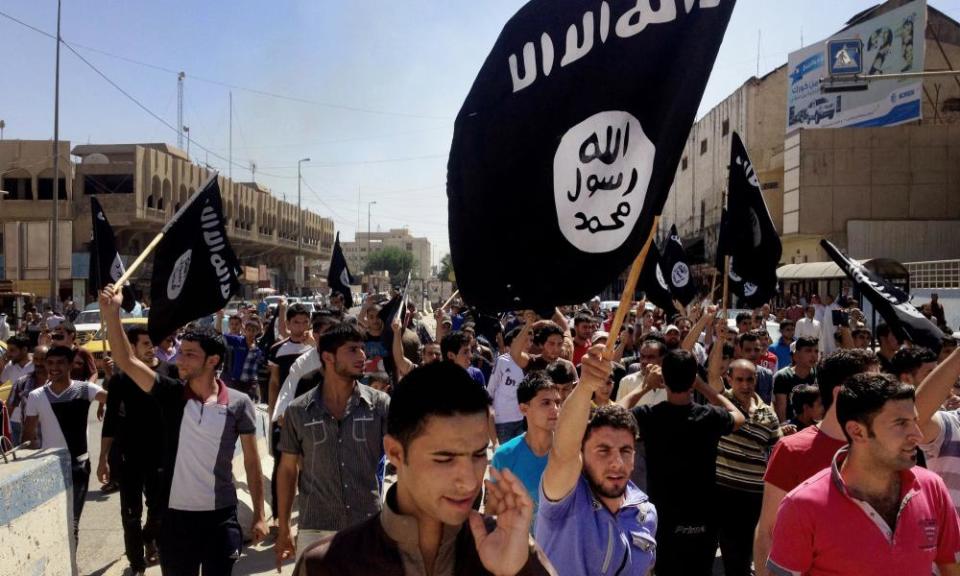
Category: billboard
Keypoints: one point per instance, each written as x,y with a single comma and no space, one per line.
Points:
888,44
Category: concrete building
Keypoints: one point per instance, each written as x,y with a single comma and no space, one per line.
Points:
364,243
891,191
140,187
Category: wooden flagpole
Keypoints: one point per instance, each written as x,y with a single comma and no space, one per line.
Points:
450,299
726,284
628,290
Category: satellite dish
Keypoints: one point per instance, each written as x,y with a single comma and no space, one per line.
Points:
96,158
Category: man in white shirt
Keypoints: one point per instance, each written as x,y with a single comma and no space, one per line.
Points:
808,325
502,388
651,354
19,364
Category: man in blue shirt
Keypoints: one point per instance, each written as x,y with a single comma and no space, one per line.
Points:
455,348
592,519
526,455
782,347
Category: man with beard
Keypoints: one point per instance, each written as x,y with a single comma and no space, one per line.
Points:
438,442
592,518
336,434
681,438
873,511
584,326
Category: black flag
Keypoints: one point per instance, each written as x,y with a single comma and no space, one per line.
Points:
750,293
339,278
675,270
106,267
653,283
194,269
891,303
575,124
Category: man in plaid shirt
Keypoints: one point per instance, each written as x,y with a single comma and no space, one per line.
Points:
254,359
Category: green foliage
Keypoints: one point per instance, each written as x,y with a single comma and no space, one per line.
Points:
394,260
446,269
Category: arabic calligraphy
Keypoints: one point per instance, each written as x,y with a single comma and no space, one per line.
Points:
594,225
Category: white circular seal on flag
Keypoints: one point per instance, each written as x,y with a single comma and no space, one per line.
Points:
601,171
344,277
663,283
178,276
680,275
749,288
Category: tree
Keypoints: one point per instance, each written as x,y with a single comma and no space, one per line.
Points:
446,272
396,261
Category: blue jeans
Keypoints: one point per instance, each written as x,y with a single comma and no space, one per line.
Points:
16,428
509,430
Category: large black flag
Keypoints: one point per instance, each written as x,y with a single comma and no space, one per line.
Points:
339,278
675,270
106,267
890,302
567,144
653,283
194,269
751,293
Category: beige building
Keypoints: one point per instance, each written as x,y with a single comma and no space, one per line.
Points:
365,243
891,192
140,187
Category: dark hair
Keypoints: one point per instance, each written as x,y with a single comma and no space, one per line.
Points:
863,395
438,389
838,367
297,309
20,341
883,330
338,335
135,332
453,342
235,316
807,342
582,317
560,373
787,324
509,336
532,384
656,343
749,336
611,416
728,350
908,360
656,337
68,327
210,341
545,331
679,370
803,395
744,317
322,322
61,352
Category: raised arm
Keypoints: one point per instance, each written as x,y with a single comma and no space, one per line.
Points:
404,365
691,340
565,463
932,392
140,373
518,348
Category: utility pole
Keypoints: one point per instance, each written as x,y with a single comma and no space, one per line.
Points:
186,130
55,233
2,126
180,78
299,259
253,172
230,153
369,204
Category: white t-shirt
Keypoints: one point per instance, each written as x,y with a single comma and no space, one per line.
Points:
502,388
11,373
633,381
63,417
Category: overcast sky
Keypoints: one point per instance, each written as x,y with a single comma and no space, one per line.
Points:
368,90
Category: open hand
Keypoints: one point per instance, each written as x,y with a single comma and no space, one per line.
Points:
507,548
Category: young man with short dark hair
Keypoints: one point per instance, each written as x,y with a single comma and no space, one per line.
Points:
202,421
807,407
455,348
503,388
592,519
564,376
438,441
806,353
750,348
526,455
547,337
873,511
912,365
584,325
19,364
889,344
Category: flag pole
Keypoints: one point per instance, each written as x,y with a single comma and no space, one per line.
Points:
628,290
156,240
726,283
450,299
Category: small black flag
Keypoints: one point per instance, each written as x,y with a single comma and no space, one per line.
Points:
891,303
575,123
675,270
339,278
106,267
195,271
652,282
750,293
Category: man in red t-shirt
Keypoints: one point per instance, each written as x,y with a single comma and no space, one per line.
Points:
798,457
584,326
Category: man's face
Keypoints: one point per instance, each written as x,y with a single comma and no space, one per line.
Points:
251,330
192,361
861,340
298,325
234,325
807,356
584,330
61,337
565,390
608,460
743,380
463,356
471,336
442,469
552,347
811,312
750,350
40,366
917,376
672,338
14,353
814,412
650,354
58,368
744,326
431,353
543,410
144,350
891,441
602,395
348,360
166,343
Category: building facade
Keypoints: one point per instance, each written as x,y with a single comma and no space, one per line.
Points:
140,187
366,243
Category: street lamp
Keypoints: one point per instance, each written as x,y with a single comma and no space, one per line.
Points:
186,130
300,221
369,204
55,232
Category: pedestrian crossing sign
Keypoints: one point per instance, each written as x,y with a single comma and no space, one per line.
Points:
845,57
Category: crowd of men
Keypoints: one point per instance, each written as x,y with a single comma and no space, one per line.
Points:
647,451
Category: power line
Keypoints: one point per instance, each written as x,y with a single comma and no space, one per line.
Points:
360,162
228,85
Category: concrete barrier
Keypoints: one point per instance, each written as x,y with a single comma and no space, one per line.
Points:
36,514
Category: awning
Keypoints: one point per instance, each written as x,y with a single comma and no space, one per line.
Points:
884,267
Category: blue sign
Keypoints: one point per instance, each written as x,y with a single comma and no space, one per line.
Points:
845,57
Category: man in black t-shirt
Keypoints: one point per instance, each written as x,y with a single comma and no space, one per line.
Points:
681,439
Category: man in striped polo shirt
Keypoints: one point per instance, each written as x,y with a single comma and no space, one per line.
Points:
741,463
941,428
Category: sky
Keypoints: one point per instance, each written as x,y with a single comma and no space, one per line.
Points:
367,90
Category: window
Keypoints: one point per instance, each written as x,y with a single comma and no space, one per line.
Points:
108,184
45,189
726,127
951,105
18,188
683,163
703,146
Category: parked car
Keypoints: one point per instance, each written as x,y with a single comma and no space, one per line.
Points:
97,344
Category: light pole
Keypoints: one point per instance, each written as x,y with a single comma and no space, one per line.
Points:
55,233
2,126
300,222
186,130
369,204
